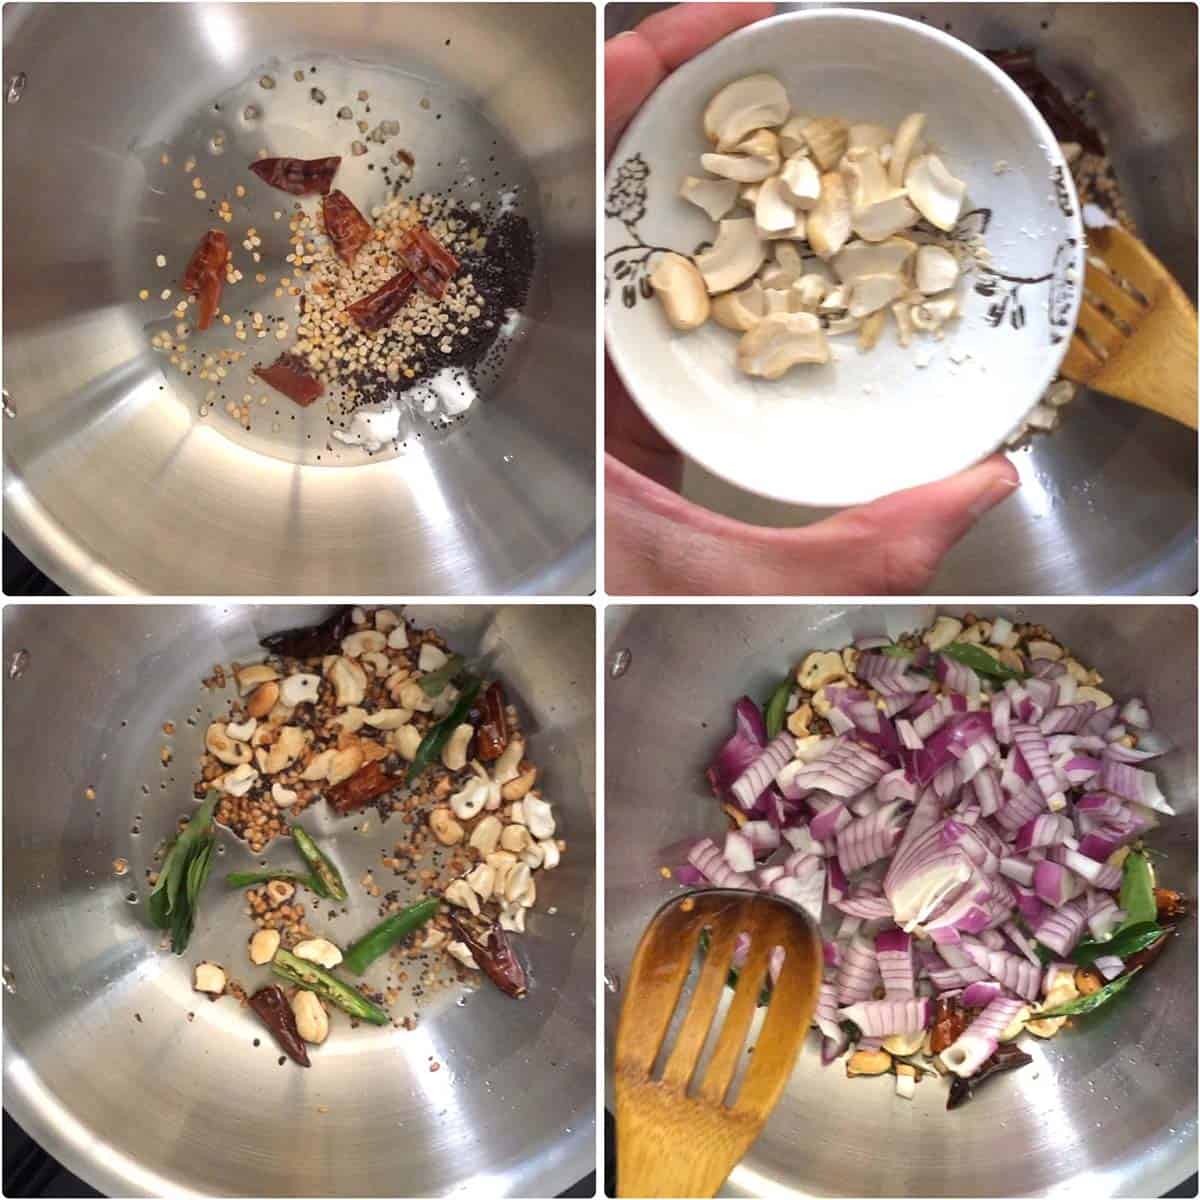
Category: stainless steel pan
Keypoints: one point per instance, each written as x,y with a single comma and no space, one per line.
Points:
102,1063
114,482
1108,1109
1108,502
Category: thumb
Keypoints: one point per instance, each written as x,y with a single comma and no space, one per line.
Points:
904,536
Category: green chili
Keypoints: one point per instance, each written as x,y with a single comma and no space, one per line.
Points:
980,661
1137,891
895,651
1086,1004
437,735
322,866
434,683
776,712
328,986
386,934
244,879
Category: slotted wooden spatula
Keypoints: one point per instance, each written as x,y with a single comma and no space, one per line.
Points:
1151,362
676,1140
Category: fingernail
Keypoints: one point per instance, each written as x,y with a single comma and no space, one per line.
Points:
999,489
626,33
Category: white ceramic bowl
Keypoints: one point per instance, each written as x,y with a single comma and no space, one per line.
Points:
864,424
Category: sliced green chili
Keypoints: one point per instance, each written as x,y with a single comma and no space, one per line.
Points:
245,879
1137,891
328,986
437,735
322,865
386,934
776,712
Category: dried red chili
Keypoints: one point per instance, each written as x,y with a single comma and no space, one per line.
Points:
492,732
430,261
491,949
949,1021
373,312
276,1014
298,176
290,375
361,788
1169,903
348,229
205,275
312,641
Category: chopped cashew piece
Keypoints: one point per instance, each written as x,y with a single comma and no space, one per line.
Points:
773,210
460,894
284,797
349,681
243,732
680,287
482,879
225,749
781,341
937,194
389,718
367,640
734,257
508,764
262,700
318,766
285,750
1095,695
715,196
934,313
943,631
829,222
312,1021
870,331
538,817
386,620
802,182
248,678
454,753
903,145
1040,649
431,657
740,310
462,953
406,740
884,218
343,764
238,781
827,138
739,108
819,668
471,800
754,160
791,137
868,137
263,946
300,689
209,978
318,950
445,828
485,837
937,270
398,637
870,293
890,257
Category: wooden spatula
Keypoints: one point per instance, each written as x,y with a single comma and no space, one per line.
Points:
676,1140
1151,361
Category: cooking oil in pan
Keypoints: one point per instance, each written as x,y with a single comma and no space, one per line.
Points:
397,134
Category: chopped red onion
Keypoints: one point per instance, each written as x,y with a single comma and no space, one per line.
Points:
1046,829
980,994
709,861
1135,714
893,953
739,852
1015,973
764,837
859,972
978,1042
1022,943
885,1018
1063,927
1139,787
1109,965
1104,917
869,839
760,774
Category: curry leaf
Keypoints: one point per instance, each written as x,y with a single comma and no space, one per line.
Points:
980,661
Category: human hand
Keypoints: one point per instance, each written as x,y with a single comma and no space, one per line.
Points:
658,543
